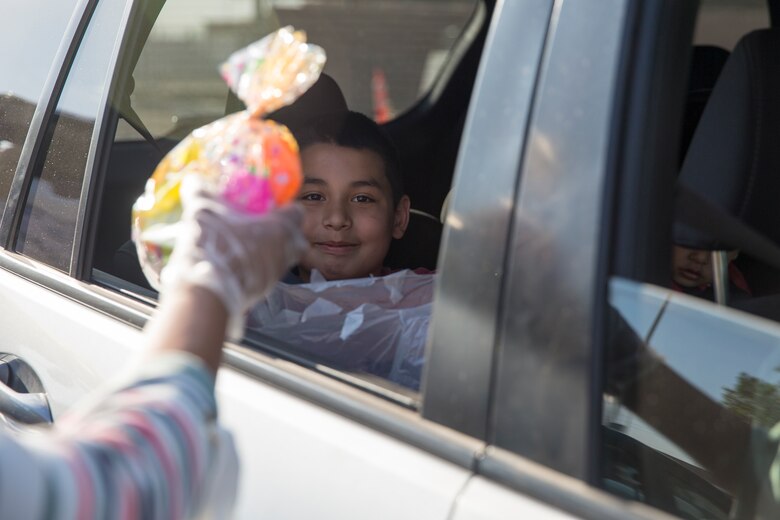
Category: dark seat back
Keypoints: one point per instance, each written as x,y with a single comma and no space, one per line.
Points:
419,246
734,158
707,63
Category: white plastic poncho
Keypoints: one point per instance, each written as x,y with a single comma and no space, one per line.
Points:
376,325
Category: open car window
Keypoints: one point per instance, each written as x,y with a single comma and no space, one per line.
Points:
372,332
381,71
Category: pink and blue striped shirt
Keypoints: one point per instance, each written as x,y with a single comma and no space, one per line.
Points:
150,449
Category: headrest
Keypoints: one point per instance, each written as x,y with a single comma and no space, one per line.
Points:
734,158
707,62
323,98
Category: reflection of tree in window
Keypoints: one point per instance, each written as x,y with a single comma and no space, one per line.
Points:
754,399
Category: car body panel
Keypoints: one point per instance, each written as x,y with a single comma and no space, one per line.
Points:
71,348
483,499
308,462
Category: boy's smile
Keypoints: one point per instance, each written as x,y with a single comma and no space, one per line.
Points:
349,215
336,248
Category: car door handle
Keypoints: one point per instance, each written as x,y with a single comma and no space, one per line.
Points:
22,398
24,408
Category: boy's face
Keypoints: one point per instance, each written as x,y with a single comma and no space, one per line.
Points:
349,217
693,267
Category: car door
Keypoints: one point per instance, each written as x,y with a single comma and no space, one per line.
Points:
716,380
605,372
314,442
604,120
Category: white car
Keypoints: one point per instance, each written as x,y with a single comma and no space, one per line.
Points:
558,128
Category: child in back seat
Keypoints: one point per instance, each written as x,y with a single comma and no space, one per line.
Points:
692,273
362,319
352,196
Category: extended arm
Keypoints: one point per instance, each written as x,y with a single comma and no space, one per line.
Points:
152,448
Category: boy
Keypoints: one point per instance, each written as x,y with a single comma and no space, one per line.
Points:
692,273
352,196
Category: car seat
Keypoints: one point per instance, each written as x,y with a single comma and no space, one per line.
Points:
707,63
733,162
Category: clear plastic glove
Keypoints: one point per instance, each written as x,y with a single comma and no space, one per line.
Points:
238,256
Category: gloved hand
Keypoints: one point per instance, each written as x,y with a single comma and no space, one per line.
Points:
237,256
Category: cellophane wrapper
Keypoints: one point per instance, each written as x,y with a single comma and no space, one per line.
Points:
251,162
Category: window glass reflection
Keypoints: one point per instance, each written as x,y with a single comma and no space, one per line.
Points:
41,25
691,402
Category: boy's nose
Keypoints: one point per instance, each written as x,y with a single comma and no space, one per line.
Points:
336,217
699,256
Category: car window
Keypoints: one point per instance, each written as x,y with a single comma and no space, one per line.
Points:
398,60
723,22
48,227
381,71
44,24
693,343
374,328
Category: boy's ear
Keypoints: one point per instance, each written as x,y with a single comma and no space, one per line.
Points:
401,217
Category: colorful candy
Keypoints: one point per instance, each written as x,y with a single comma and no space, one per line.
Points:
252,163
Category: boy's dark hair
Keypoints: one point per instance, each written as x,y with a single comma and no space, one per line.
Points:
354,130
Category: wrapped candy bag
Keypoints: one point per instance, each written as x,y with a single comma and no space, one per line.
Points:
250,162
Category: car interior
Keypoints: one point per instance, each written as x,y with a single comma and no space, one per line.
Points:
731,160
427,136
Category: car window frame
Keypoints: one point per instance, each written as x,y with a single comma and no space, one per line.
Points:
637,138
483,177
543,389
469,34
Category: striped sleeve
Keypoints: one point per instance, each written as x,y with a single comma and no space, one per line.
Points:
148,450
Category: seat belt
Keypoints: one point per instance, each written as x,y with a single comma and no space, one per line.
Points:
127,113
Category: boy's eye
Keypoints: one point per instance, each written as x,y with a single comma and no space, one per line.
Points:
362,198
312,197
